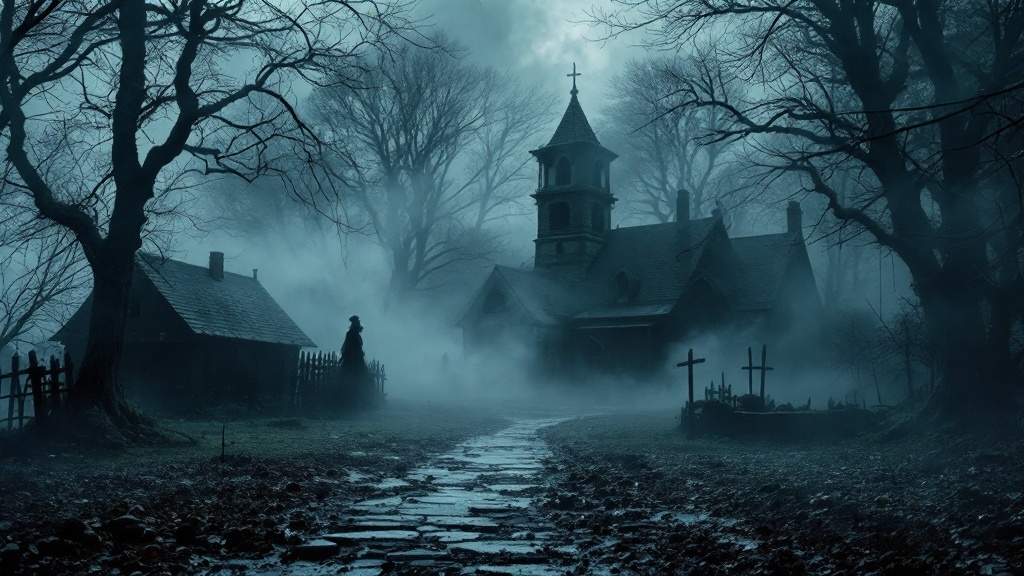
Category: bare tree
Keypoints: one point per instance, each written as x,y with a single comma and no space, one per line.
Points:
40,281
930,84
664,148
514,114
430,151
122,97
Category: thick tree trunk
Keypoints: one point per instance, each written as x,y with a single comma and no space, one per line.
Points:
98,386
957,332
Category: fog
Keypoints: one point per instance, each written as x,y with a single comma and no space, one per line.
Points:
321,274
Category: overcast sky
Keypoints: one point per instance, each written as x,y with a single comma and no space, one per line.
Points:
538,40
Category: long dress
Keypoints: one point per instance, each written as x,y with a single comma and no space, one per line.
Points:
355,376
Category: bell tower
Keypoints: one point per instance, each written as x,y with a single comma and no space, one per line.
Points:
574,199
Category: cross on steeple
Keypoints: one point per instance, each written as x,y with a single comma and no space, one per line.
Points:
574,74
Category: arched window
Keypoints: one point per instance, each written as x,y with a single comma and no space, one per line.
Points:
549,170
597,217
600,175
495,302
558,215
563,172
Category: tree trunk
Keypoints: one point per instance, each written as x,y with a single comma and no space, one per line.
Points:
910,374
98,386
401,282
957,334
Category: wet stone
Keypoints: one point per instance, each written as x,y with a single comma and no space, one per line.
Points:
417,554
497,547
452,536
466,506
319,549
513,570
372,535
476,523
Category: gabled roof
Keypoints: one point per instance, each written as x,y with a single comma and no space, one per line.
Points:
763,262
542,294
574,126
660,257
236,307
662,260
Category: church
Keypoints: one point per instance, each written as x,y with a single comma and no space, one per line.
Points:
617,300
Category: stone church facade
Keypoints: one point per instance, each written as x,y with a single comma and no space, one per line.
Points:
616,300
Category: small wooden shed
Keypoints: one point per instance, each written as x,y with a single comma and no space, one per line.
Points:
199,335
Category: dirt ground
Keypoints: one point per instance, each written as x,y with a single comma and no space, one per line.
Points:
615,494
184,510
643,498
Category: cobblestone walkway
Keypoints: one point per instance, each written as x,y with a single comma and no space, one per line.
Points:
468,511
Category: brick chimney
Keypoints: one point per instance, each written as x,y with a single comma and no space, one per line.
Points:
794,218
683,206
217,265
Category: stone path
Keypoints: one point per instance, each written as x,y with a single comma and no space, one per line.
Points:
469,511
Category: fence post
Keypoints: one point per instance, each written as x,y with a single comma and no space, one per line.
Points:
55,373
304,379
35,375
15,392
292,392
69,373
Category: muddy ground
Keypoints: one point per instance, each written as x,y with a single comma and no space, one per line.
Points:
425,489
644,498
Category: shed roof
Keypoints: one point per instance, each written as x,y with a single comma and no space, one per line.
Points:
236,307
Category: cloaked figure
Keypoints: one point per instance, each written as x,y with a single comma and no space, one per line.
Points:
357,385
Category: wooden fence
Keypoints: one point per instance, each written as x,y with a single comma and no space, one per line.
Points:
318,381
47,387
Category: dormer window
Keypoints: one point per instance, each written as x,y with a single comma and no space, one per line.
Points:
558,215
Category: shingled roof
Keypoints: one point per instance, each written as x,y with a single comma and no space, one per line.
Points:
763,262
574,126
542,294
236,307
659,258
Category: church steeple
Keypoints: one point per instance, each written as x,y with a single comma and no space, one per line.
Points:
574,198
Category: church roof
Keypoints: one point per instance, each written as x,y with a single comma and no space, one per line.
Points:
659,258
236,307
574,126
763,261
542,294
659,261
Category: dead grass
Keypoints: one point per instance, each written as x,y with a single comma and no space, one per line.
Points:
399,430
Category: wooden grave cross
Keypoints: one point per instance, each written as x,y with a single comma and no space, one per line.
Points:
762,368
689,363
